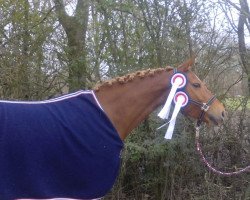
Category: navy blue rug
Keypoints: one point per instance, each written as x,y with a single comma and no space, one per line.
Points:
60,148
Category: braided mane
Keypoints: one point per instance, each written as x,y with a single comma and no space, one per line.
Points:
130,77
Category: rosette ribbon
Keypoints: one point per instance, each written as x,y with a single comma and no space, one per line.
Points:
181,100
178,81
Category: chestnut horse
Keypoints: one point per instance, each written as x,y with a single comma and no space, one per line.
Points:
55,166
130,99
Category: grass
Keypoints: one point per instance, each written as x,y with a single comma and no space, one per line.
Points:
237,103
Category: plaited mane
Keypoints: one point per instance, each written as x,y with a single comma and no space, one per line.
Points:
130,77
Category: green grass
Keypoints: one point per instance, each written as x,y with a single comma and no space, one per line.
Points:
237,103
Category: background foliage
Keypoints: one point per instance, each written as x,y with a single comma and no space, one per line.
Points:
50,47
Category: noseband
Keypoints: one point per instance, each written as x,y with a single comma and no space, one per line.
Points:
204,108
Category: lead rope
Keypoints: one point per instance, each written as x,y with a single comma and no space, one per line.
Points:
198,147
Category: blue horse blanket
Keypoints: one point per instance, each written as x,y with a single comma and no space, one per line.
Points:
60,148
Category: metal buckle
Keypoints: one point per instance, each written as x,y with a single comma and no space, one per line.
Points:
197,131
205,107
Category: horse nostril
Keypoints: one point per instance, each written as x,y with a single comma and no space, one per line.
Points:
223,114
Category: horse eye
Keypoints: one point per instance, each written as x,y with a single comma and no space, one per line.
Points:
196,85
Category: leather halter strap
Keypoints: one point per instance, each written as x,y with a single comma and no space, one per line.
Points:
204,108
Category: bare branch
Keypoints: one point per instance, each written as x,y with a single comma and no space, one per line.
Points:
239,8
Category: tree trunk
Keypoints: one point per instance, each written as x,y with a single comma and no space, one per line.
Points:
241,40
76,29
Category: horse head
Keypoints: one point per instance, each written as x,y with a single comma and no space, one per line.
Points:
202,103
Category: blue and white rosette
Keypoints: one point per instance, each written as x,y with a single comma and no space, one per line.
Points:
178,81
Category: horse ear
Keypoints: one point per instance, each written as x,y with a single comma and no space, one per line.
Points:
188,64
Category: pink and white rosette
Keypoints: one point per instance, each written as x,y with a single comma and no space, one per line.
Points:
181,100
178,81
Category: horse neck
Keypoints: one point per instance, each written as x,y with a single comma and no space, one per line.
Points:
128,104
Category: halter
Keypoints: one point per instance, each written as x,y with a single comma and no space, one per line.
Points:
179,96
204,106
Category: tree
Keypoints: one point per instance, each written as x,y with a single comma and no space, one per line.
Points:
75,28
244,20
243,25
